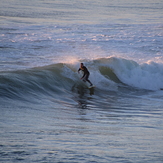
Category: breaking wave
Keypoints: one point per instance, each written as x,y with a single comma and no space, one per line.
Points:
107,74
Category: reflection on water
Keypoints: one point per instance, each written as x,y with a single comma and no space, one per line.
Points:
84,128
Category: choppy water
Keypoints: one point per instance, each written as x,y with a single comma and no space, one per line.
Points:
47,114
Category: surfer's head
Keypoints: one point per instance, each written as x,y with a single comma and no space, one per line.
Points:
81,64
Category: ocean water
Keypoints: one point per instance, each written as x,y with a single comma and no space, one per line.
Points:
47,114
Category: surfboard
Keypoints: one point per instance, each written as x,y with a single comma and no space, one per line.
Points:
91,86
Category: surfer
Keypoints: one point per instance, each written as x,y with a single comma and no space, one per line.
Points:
86,73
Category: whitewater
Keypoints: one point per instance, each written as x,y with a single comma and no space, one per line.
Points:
48,114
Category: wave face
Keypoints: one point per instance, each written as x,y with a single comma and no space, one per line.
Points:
106,74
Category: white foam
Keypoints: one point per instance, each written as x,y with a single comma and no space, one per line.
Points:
146,76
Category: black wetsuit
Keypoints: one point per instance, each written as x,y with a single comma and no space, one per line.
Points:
85,75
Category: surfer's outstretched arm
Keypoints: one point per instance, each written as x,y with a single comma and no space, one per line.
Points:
79,70
83,74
